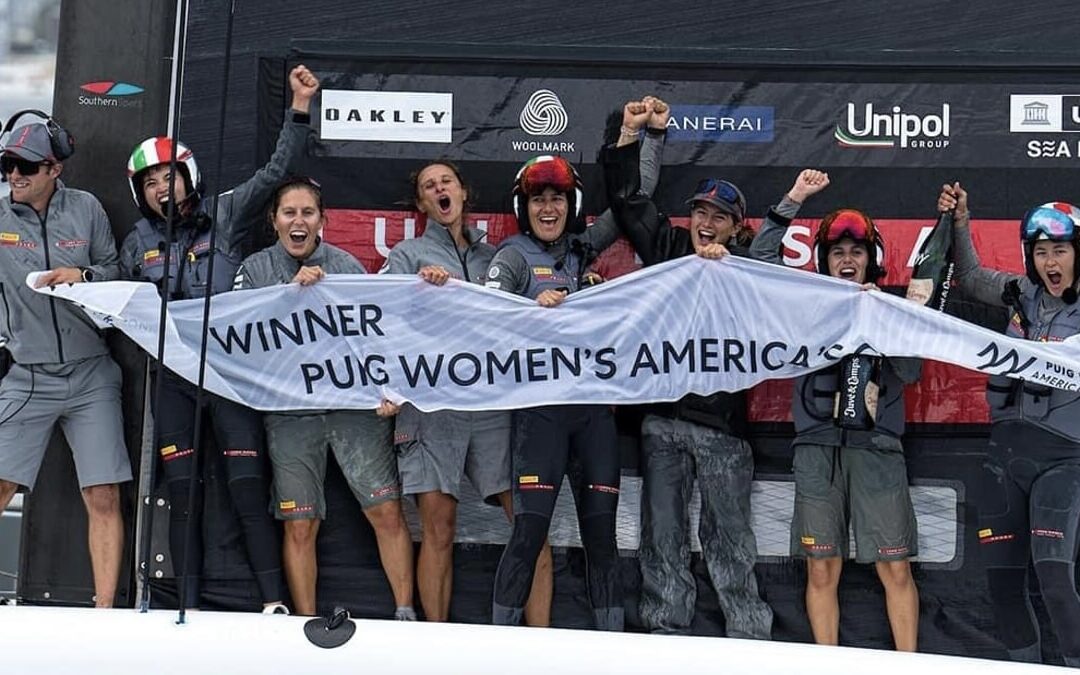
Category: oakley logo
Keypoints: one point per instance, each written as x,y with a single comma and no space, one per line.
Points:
544,114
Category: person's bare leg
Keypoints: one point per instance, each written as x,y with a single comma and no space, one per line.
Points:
822,604
105,536
538,606
395,548
435,568
901,602
301,567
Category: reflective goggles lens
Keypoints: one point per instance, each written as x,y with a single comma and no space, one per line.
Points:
1047,223
848,224
719,189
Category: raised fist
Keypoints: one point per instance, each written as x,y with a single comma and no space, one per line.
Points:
660,112
304,84
808,183
953,198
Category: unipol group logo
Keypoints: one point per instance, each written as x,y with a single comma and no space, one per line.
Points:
110,94
867,127
544,114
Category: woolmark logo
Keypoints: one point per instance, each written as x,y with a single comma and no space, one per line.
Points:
391,116
544,114
864,127
1045,113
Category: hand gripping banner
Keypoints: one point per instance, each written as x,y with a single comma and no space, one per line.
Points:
687,326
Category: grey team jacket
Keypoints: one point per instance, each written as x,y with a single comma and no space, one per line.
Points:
436,247
1051,319
813,395
273,265
73,232
239,212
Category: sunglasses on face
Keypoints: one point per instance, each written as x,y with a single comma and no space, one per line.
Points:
1047,223
721,189
9,163
849,225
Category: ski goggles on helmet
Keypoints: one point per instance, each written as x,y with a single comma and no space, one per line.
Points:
1055,221
547,171
26,167
846,224
722,194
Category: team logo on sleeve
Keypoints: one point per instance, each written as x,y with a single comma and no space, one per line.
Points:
13,239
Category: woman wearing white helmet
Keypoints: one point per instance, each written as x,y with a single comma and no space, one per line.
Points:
1032,477
238,430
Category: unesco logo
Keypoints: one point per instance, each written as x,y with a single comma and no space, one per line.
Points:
544,114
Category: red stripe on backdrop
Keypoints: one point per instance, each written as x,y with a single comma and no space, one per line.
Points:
946,394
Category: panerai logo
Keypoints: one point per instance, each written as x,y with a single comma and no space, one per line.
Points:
391,116
866,127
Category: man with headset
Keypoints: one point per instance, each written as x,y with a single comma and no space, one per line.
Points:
62,371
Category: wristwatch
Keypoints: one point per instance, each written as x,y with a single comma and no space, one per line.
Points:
87,274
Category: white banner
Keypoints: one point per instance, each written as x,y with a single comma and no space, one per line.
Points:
690,325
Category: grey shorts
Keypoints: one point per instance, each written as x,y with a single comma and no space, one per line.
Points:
298,445
84,398
870,485
436,450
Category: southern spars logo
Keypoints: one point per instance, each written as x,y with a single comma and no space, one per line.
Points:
543,115
865,126
111,94
389,116
720,123
1046,114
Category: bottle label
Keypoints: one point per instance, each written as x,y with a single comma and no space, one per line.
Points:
920,290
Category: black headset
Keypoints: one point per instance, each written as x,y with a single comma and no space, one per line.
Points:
62,142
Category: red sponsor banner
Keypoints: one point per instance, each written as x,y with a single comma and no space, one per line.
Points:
945,394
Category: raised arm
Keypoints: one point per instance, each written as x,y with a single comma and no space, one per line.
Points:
242,208
769,240
605,229
981,283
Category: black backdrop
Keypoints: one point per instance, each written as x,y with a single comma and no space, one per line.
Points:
876,42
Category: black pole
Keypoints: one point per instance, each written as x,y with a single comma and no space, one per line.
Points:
192,523
147,506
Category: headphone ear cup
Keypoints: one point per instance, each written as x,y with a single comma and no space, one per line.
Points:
63,143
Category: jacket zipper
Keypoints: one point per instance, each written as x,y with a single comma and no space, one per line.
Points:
52,300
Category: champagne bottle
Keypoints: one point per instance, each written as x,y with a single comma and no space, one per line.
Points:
931,276
857,394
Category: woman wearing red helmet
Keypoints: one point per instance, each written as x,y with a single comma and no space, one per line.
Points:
847,477
1032,477
547,261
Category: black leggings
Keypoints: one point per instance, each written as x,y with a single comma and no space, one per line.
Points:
1034,477
548,442
239,434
